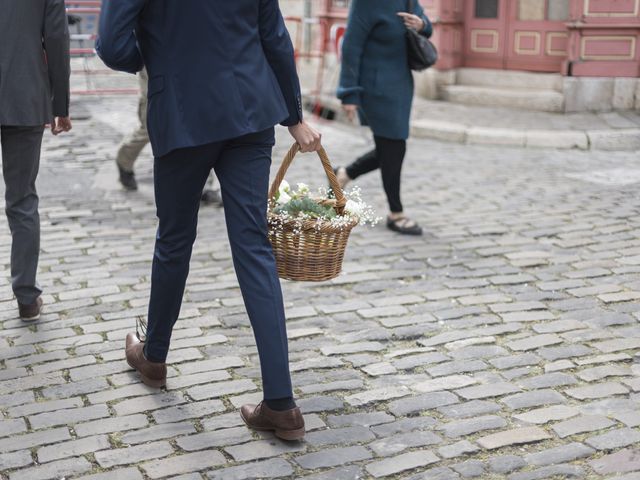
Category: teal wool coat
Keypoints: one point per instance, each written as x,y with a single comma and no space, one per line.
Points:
375,74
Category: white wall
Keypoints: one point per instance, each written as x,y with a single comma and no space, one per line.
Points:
292,7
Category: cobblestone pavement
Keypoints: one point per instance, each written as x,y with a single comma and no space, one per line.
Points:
501,345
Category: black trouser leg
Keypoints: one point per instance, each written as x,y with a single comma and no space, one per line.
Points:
243,171
391,154
364,164
388,156
179,178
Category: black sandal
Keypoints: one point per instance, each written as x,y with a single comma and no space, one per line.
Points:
400,225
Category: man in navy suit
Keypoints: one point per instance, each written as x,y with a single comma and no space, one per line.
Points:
221,75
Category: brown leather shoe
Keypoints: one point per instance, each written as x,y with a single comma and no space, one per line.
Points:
287,425
152,374
30,312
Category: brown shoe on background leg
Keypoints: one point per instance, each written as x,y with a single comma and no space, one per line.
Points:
287,425
30,312
152,374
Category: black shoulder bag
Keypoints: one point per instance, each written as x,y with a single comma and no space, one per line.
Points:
421,52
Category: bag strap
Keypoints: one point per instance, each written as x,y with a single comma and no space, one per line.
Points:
328,170
410,6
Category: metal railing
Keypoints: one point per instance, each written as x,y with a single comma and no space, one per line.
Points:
84,31
86,13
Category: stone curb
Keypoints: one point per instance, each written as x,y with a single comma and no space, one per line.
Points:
614,139
622,139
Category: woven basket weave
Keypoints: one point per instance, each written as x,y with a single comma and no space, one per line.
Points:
313,253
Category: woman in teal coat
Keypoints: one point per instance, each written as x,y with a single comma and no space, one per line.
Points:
376,82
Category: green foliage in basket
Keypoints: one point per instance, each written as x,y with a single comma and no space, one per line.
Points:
299,205
307,206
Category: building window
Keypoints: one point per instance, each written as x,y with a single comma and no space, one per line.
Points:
558,10
531,9
340,4
539,10
486,8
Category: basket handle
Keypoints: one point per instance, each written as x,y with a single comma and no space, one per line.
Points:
328,170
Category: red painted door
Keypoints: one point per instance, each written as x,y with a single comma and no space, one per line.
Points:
516,34
537,37
485,33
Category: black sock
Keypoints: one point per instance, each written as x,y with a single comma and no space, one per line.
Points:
281,404
152,360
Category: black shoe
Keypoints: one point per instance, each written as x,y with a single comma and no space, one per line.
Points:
211,197
128,179
404,225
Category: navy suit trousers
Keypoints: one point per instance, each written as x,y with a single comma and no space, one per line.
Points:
242,167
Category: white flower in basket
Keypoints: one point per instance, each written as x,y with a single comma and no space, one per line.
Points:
300,206
283,196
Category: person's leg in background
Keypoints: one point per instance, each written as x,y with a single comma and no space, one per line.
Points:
20,164
211,194
362,165
243,171
179,178
130,148
391,153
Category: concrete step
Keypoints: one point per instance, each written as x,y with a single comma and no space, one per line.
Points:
483,125
482,77
624,139
539,100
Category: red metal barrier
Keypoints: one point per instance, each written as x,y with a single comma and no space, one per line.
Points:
299,51
327,41
82,47
313,53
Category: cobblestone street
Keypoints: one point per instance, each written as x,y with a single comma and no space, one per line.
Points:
501,345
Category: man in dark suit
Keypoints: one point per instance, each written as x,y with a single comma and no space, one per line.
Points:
34,91
221,75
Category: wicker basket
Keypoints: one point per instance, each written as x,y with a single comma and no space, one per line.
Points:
313,253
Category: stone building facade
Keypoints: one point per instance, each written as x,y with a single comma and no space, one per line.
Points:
552,55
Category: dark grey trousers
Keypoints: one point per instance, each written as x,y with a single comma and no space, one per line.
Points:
20,163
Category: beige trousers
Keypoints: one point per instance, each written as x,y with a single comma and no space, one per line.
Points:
133,143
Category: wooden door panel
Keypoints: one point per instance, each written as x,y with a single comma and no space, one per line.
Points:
534,41
516,34
485,33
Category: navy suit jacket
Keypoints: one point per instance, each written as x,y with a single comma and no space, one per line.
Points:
218,69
